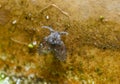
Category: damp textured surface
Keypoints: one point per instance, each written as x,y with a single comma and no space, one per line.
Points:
93,42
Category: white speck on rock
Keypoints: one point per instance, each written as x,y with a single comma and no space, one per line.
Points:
47,17
14,22
34,43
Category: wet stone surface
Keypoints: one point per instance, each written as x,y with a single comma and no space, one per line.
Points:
91,50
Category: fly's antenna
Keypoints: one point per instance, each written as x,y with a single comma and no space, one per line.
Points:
51,30
63,33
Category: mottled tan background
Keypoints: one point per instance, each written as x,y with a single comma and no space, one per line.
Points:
93,43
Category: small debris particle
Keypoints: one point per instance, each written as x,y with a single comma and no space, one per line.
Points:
34,43
14,22
101,17
30,45
47,17
2,76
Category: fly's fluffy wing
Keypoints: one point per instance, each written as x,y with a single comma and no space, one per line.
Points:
60,52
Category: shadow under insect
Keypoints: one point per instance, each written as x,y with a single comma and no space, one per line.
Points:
53,43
